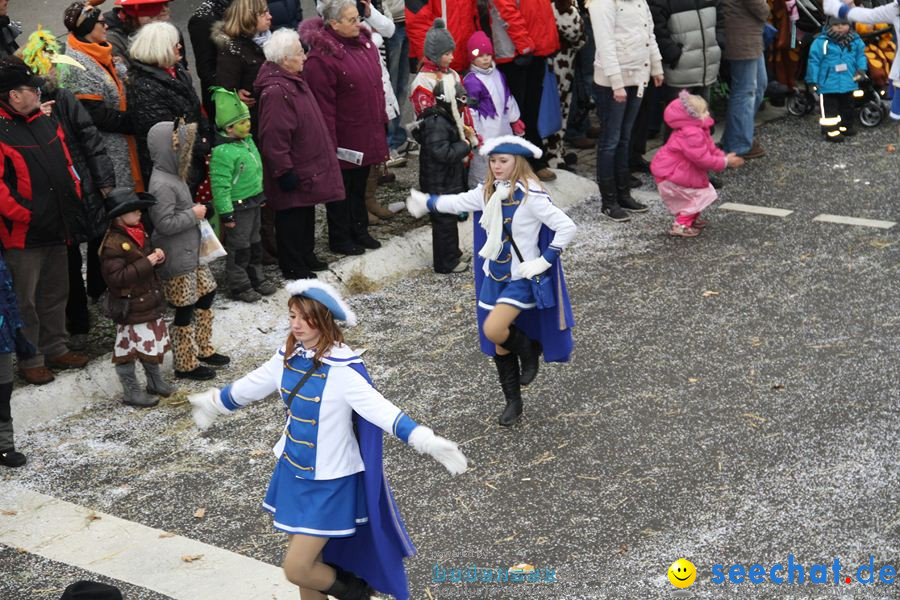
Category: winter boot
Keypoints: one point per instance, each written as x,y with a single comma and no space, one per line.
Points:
508,370
184,348
134,395
375,209
528,351
156,385
203,320
348,586
623,193
8,455
610,203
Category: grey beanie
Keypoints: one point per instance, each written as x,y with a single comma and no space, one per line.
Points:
837,21
438,42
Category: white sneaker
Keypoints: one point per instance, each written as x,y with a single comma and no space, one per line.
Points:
396,160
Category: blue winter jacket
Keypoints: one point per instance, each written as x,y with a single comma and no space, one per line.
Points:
832,67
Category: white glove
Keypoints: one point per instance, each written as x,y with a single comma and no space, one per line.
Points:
530,268
443,450
206,407
417,203
831,7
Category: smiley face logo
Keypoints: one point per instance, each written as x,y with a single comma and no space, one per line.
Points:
682,573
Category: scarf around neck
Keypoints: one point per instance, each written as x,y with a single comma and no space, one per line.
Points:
492,221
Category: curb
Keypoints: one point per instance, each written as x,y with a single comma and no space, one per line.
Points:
72,391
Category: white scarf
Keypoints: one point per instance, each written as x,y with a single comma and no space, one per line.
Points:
492,221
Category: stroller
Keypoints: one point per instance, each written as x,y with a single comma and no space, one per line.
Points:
868,100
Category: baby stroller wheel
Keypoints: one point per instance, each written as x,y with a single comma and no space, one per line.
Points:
871,114
799,104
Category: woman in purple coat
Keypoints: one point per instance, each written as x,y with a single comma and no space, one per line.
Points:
300,166
343,71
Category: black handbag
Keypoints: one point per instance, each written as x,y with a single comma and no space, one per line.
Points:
116,308
541,285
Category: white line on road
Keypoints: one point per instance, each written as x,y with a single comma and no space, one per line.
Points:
131,552
854,221
756,210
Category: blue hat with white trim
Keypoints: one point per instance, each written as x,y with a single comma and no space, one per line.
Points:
324,294
510,144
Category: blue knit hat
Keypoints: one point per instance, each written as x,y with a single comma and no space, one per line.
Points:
324,294
510,144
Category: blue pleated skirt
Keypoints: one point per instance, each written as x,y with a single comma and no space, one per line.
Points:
326,508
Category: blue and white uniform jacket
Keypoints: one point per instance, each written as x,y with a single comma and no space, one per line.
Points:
523,215
318,440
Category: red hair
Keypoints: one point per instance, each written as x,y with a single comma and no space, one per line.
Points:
318,316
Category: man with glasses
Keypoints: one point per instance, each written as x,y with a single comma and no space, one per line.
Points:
41,212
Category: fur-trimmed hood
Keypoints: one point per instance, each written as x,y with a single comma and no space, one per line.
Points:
218,36
160,142
317,36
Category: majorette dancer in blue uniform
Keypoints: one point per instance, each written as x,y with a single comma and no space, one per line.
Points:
328,489
523,304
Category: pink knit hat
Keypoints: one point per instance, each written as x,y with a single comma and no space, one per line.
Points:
479,44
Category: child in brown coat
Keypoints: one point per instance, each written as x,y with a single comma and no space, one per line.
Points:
135,297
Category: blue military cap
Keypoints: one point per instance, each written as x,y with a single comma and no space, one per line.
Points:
325,294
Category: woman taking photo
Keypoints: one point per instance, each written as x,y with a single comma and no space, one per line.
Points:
100,88
328,491
627,57
343,70
300,166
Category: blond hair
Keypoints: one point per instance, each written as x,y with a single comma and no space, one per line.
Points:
522,172
241,17
154,44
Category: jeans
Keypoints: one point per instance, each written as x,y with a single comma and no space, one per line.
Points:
398,68
748,85
616,121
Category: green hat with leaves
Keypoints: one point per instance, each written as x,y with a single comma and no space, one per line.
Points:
229,107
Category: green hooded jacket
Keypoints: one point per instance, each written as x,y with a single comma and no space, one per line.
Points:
235,175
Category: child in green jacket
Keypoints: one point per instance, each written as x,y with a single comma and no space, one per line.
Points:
235,175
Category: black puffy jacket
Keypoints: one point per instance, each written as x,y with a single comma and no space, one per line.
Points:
154,96
285,13
205,51
89,157
441,153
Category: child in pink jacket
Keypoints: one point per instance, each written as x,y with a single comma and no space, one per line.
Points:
680,166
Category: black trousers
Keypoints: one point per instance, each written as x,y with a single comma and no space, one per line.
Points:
348,220
295,231
77,315
526,84
445,242
833,107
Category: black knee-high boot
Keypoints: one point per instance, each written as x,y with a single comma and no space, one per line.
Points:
623,193
348,586
508,370
529,353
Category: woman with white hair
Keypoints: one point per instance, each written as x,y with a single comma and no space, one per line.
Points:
300,166
160,89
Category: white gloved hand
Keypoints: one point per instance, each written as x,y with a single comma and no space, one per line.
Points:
206,407
530,268
443,450
831,7
417,203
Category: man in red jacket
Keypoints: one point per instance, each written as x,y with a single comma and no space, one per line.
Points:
460,16
40,202
524,35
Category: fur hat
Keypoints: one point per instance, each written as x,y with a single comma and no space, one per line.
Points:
438,42
479,44
510,144
324,294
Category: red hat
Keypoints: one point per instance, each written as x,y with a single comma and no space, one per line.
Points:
479,44
141,8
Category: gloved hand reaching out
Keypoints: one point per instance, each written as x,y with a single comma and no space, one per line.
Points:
442,450
417,203
206,407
